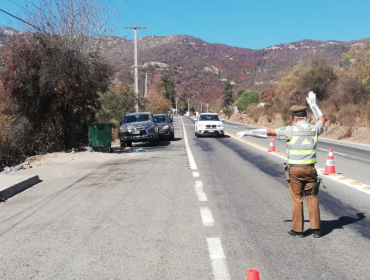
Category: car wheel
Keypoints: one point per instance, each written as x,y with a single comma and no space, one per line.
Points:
155,141
129,144
196,133
222,135
172,136
123,144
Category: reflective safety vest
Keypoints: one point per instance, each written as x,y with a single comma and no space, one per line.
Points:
302,146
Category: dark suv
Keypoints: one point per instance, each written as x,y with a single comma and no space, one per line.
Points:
165,126
138,127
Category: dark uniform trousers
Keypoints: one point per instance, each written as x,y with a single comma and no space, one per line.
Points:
303,178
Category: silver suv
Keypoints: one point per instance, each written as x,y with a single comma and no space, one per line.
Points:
138,127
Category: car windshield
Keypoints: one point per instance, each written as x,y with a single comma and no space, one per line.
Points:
209,118
136,118
160,118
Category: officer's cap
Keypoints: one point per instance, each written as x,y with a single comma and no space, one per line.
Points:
299,111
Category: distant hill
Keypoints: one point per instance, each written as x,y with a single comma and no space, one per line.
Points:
201,68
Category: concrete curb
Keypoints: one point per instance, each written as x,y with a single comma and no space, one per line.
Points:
13,184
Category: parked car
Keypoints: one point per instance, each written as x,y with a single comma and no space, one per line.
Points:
138,127
209,124
165,126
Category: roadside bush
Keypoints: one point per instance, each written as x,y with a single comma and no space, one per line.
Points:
115,104
228,112
365,114
24,138
278,107
329,111
246,99
253,112
347,115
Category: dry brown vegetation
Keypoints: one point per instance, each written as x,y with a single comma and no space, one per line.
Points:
343,95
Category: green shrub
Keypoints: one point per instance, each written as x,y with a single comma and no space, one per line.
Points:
247,98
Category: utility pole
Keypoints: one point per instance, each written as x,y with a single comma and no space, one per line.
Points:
146,84
136,66
176,106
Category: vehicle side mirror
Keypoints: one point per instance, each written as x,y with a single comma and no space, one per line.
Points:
120,123
223,120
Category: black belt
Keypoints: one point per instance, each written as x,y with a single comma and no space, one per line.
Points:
302,165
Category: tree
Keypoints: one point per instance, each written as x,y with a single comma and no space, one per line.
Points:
54,75
319,79
228,99
247,98
115,104
168,86
157,103
356,81
182,104
239,93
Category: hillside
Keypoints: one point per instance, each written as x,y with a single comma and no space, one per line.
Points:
200,68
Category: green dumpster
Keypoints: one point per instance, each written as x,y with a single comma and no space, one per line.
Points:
100,135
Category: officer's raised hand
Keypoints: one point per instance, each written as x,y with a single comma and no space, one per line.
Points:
311,100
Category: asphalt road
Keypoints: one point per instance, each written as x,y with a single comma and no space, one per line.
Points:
192,208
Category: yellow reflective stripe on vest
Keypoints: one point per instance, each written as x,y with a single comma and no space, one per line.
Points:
301,152
302,146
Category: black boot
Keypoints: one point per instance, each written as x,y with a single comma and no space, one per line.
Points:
295,234
317,233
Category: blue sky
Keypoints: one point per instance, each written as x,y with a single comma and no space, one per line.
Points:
254,24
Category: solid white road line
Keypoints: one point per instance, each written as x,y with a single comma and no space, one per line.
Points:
338,178
190,154
326,150
218,259
207,217
235,126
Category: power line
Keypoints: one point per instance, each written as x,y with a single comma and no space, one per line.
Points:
122,16
135,12
17,4
120,13
20,19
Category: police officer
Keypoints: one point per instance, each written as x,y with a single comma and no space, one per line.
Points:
301,139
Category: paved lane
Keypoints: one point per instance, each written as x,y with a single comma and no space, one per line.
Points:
136,216
250,204
351,160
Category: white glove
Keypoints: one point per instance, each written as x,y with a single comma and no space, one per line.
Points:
311,100
245,132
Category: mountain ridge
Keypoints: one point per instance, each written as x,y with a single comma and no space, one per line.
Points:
201,68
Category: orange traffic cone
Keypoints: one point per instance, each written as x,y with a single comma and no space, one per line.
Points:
272,145
330,168
253,274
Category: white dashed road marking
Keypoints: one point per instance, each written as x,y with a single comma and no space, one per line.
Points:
207,217
218,259
216,252
199,191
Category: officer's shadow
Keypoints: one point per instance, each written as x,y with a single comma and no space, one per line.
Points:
328,226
